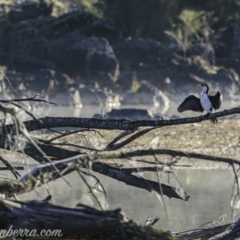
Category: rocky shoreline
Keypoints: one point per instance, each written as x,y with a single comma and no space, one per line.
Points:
77,58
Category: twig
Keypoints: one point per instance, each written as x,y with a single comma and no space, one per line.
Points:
143,169
160,187
26,111
74,145
64,135
127,154
121,135
236,178
31,99
7,80
233,199
90,189
97,181
10,167
112,146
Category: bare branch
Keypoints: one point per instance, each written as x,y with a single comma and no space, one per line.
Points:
205,233
90,189
74,145
138,182
160,187
98,182
115,146
174,153
115,124
236,179
111,145
62,135
10,167
31,99
26,111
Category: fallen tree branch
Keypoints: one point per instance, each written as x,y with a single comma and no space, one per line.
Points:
73,223
173,153
48,172
139,182
45,173
205,233
115,124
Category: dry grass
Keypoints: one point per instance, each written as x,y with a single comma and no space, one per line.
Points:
219,140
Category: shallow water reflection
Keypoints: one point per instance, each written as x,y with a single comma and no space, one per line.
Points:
210,192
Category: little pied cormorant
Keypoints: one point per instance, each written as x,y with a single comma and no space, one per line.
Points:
205,102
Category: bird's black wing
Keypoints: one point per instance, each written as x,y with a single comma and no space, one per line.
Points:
191,103
216,100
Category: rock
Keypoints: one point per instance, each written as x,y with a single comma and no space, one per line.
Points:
92,57
128,113
138,53
92,97
29,10
101,58
143,96
61,43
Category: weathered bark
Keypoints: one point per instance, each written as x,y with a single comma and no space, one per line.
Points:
113,124
74,223
234,233
205,233
131,180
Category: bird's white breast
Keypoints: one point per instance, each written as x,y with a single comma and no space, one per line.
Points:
206,103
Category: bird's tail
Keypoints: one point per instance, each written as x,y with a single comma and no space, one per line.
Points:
214,120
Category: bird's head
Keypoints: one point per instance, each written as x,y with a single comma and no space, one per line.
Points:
204,87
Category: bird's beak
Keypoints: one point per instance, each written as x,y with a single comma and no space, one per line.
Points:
200,85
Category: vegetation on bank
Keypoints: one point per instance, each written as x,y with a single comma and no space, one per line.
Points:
150,19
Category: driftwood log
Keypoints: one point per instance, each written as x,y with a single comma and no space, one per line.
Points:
72,223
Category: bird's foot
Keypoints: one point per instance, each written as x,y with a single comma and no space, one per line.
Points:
214,121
